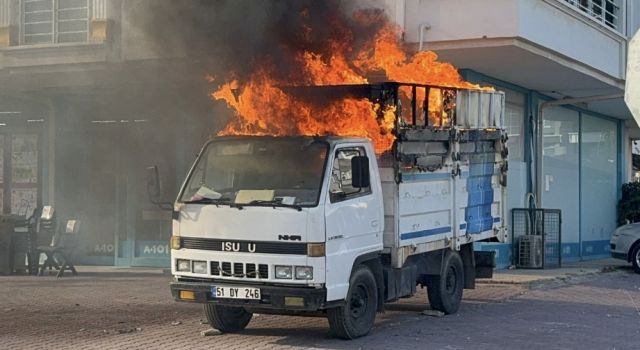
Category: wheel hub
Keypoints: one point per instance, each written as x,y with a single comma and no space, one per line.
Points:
450,280
358,302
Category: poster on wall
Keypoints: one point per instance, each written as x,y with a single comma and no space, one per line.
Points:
24,201
24,159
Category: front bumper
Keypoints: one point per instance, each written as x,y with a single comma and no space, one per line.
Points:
272,297
618,255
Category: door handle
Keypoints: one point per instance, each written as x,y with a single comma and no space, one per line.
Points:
375,223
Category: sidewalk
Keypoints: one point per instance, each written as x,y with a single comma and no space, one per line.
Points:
567,271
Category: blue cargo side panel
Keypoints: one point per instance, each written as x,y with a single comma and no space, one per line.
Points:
480,193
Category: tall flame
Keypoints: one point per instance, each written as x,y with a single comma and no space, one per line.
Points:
262,107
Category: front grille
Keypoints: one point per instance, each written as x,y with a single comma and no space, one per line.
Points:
226,269
239,270
223,245
251,271
215,268
263,271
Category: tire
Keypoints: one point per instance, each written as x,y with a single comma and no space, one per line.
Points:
635,258
445,291
355,319
227,319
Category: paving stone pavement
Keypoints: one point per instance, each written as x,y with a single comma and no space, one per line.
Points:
134,310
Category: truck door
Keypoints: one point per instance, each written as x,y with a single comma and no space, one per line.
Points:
353,220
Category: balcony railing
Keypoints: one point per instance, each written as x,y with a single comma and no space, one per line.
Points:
609,13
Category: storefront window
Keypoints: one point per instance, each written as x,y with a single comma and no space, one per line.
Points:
598,183
560,172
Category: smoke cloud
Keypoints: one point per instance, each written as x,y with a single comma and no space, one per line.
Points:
232,35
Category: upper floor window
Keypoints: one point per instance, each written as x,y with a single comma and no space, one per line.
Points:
607,12
54,21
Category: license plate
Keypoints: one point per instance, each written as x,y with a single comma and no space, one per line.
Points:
235,292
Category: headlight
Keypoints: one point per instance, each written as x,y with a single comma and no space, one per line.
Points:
199,267
304,272
183,265
283,272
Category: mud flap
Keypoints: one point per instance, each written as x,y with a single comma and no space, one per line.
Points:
485,263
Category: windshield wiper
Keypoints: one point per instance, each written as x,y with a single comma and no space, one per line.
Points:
269,203
222,200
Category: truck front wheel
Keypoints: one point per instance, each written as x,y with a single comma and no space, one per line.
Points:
227,319
445,290
355,319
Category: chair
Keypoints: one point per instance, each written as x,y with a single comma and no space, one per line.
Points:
45,232
60,253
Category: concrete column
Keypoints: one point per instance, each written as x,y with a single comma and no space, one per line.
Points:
51,156
5,23
100,25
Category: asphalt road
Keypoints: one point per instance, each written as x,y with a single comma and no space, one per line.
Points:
134,310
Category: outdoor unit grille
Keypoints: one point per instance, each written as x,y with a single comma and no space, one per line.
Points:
536,237
530,251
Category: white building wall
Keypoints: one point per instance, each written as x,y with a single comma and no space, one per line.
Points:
549,24
461,19
554,26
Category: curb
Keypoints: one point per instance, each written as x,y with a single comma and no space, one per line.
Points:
565,277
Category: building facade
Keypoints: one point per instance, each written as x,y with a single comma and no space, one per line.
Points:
87,104
571,156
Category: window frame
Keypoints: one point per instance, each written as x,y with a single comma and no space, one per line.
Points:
353,195
55,23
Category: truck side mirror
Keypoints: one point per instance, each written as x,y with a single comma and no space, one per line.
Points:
360,177
153,183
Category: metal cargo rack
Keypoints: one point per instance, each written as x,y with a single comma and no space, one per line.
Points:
425,133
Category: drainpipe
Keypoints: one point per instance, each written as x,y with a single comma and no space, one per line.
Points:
423,27
539,136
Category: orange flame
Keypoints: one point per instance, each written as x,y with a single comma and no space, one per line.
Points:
261,107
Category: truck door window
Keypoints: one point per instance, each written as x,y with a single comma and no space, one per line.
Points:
340,187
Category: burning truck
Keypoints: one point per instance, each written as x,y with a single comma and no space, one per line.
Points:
323,225
329,195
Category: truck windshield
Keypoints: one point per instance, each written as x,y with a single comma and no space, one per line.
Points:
267,170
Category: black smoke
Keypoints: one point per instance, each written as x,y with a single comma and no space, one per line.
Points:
236,35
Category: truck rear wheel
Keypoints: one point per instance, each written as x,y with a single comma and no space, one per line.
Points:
445,291
355,319
227,319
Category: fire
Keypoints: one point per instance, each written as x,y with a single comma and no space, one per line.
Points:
263,107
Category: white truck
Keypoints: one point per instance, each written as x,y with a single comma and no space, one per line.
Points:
324,226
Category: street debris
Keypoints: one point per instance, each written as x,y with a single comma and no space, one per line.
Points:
176,323
210,332
433,313
125,330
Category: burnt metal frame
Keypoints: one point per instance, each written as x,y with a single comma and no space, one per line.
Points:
380,92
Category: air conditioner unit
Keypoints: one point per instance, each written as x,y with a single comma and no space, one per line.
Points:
530,251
